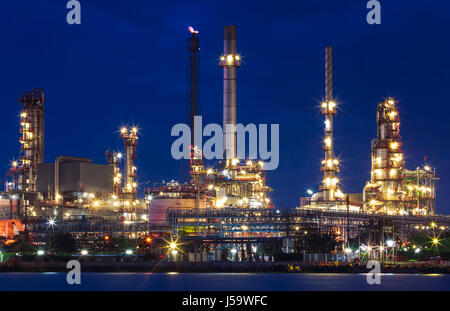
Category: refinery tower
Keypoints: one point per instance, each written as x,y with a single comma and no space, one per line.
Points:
392,189
330,192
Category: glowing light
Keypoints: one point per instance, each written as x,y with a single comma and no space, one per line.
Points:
123,130
51,222
309,191
331,105
119,155
84,252
427,168
148,239
209,171
417,250
328,141
390,243
40,252
129,252
191,30
392,114
230,59
339,193
348,250
393,145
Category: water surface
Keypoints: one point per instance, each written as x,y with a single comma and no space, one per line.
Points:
222,282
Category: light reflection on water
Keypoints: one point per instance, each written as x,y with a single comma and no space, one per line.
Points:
224,281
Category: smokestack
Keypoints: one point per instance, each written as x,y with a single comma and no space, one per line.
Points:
196,162
229,61
328,73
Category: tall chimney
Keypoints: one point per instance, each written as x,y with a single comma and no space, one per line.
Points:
330,165
229,61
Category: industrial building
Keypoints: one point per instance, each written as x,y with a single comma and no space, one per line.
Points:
225,206
393,189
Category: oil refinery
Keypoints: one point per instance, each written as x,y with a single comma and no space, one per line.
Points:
225,207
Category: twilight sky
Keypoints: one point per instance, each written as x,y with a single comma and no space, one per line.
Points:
127,63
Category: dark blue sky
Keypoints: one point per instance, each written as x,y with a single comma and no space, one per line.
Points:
127,63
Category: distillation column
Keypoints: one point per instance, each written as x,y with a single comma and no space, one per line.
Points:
130,141
229,61
385,187
32,139
113,159
330,165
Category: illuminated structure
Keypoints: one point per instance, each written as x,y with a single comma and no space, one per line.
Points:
240,185
235,185
330,190
229,61
393,189
23,173
113,159
196,162
129,136
228,201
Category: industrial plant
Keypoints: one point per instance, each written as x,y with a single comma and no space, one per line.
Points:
227,210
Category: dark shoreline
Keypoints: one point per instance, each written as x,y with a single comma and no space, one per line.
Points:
219,267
